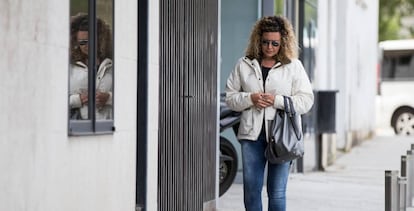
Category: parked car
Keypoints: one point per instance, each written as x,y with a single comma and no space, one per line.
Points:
228,156
395,96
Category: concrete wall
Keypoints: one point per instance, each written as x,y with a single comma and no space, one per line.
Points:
153,101
346,61
42,168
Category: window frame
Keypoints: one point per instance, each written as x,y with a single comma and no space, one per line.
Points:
91,126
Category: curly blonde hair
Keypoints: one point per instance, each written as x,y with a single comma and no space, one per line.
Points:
79,22
288,46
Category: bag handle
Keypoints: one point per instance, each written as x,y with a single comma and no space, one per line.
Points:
289,108
290,111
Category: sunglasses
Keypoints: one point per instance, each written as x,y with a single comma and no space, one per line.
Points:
267,42
83,42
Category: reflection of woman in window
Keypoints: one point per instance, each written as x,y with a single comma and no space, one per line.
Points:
78,84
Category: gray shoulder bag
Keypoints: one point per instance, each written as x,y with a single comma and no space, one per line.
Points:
286,138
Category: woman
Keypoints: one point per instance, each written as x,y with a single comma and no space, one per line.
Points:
269,71
78,85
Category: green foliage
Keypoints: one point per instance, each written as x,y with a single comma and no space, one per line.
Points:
389,19
279,5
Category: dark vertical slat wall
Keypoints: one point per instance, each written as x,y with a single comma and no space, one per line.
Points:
210,94
142,100
188,104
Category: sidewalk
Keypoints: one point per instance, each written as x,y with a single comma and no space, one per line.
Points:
355,182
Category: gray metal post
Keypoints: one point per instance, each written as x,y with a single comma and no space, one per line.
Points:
403,166
404,174
410,177
402,191
318,152
391,190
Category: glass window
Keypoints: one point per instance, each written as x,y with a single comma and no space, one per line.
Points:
236,23
310,29
91,72
398,65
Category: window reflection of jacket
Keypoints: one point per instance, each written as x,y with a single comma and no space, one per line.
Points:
79,83
246,78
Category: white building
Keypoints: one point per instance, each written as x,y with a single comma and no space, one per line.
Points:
347,62
161,153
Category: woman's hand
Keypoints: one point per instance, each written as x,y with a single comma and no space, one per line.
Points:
101,98
262,100
84,98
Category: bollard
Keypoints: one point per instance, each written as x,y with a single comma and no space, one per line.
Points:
403,166
404,173
410,177
402,191
391,191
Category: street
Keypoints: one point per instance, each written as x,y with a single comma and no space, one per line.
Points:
354,182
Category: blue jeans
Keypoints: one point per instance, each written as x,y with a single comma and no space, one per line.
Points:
254,163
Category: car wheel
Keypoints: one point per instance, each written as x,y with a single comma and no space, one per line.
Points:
228,165
403,122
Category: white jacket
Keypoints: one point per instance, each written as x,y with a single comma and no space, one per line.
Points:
246,78
79,83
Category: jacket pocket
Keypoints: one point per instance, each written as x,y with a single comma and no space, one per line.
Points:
246,122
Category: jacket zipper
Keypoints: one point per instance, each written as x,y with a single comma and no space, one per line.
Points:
264,90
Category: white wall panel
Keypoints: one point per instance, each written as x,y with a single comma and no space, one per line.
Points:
42,168
348,34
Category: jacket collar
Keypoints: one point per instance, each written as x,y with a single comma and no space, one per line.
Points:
104,66
255,65
81,64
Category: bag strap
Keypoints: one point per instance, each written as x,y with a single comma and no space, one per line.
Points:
290,111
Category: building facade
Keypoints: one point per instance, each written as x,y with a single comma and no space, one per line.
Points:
159,150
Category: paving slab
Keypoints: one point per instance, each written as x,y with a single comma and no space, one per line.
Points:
354,182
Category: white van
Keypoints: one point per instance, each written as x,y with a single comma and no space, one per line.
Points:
395,91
